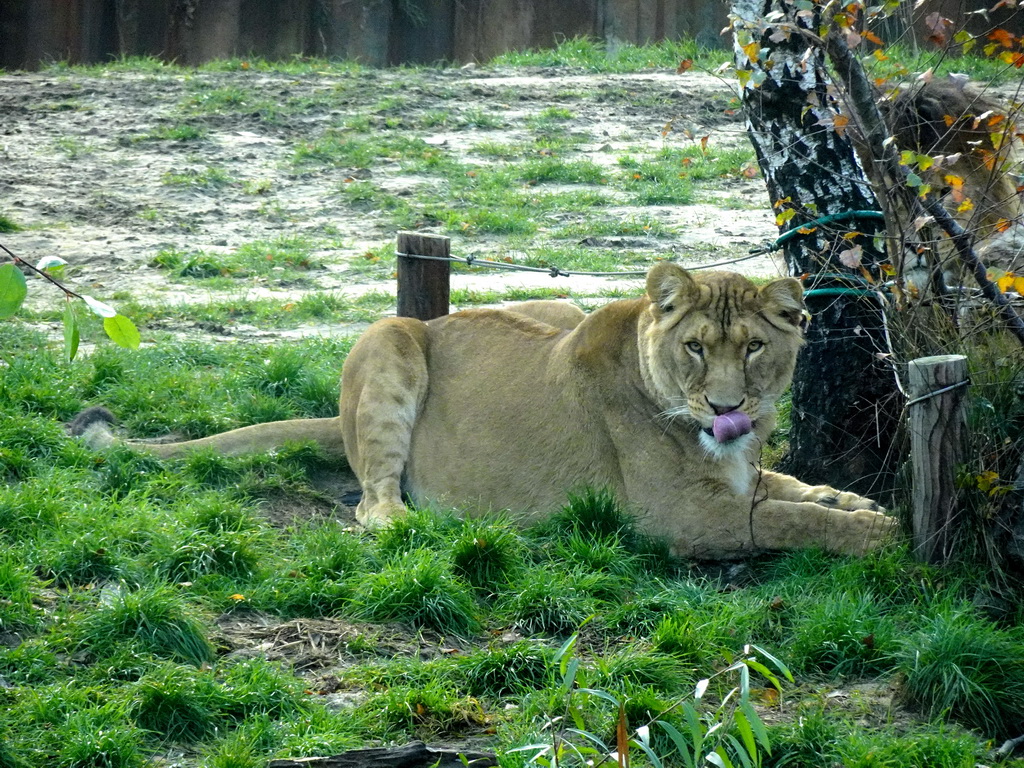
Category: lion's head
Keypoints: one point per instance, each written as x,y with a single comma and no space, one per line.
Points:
716,344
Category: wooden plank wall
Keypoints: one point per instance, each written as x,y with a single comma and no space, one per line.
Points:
376,32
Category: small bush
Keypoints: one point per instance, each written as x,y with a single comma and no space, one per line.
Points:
544,601
19,586
177,702
155,618
417,588
100,737
963,667
507,670
487,551
259,688
845,633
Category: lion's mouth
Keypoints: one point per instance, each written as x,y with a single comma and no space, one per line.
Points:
729,426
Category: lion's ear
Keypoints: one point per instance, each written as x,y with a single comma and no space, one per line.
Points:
668,286
784,300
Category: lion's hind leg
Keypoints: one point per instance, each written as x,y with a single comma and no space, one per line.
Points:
383,386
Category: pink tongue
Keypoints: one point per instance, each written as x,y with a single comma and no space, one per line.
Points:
730,425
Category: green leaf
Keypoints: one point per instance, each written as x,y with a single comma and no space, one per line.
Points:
767,673
71,335
746,733
601,695
122,331
590,737
778,664
682,746
702,686
569,676
913,180
740,752
563,653
760,732
47,262
98,307
655,760
12,290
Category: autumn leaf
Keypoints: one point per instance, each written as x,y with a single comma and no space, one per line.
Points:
752,50
750,172
704,143
965,206
684,66
851,258
784,216
839,122
939,26
1006,282
1003,37
881,56
870,36
1002,225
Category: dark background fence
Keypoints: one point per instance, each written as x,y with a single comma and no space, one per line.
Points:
376,32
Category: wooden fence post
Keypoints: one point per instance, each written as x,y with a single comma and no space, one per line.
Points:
936,420
423,290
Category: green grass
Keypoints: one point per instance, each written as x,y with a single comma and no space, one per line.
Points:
209,178
8,224
592,56
288,252
124,578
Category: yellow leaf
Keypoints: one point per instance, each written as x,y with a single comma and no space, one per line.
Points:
784,216
1006,282
743,75
236,597
965,206
752,50
1018,285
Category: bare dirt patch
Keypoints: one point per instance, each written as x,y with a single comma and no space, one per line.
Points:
107,171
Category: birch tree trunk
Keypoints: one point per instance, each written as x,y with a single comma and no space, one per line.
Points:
845,404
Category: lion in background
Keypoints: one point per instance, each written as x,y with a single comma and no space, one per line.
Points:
665,400
977,144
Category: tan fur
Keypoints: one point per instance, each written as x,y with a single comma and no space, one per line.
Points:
493,410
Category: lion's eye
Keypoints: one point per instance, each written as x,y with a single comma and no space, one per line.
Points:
695,347
754,345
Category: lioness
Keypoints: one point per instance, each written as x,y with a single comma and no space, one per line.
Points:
664,399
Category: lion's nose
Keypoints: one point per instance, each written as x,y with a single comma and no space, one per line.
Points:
720,409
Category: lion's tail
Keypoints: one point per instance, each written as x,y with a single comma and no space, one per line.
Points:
95,426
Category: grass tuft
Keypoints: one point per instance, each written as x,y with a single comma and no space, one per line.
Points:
963,667
419,589
177,702
154,618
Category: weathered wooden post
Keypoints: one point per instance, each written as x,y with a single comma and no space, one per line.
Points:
423,290
936,421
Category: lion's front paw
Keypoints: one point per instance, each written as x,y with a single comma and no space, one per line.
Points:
858,532
378,515
830,497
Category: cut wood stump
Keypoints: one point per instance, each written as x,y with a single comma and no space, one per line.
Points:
936,422
423,287
414,755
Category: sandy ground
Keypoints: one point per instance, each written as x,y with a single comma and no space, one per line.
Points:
81,173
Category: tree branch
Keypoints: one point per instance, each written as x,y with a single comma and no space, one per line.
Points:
19,260
862,99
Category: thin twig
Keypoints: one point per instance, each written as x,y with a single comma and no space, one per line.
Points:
19,260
